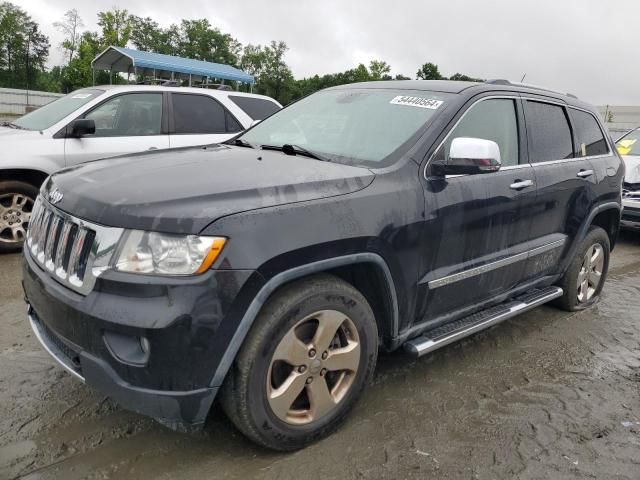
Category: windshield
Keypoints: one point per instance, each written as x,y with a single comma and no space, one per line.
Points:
51,113
357,126
629,144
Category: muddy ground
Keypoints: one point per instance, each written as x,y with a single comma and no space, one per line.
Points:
548,395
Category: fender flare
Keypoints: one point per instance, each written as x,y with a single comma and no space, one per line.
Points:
584,228
288,275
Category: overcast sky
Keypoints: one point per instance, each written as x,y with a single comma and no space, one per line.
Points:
578,46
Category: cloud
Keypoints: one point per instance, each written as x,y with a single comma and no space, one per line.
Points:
580,46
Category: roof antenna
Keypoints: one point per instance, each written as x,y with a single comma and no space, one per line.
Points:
523,76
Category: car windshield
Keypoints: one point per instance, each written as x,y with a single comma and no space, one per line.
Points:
629,144
353,126
51,113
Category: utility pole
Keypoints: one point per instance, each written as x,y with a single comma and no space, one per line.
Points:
27,63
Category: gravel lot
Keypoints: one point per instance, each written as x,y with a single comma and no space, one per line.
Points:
547,395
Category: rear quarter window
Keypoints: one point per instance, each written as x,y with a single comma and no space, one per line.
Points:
256,108
589,136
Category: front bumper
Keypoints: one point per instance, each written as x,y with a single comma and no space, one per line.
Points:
181,411
630,214
188,323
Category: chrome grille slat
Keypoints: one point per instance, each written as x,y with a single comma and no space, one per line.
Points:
42,237
50,249
74,251
74,260
60,266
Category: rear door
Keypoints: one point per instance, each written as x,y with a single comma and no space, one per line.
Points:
476,237
126,123
565,184
199,119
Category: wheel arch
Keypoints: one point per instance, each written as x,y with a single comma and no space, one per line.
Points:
607,218
31,176
340,266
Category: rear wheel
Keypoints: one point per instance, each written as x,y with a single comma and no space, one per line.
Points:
583,281
16,205
311,352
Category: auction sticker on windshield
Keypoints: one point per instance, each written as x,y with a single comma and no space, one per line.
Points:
420,102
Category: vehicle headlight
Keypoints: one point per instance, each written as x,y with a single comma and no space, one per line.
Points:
167,254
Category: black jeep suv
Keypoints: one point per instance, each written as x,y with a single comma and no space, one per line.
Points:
269,271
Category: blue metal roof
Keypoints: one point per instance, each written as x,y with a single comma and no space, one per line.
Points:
120,59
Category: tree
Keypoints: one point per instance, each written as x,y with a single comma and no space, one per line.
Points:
116,27
378,70
464,78
199,40
23,48
276,79
429,71
70,27
148,36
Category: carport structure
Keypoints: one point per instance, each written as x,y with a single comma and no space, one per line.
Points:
128,60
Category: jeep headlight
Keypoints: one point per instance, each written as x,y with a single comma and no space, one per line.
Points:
167,254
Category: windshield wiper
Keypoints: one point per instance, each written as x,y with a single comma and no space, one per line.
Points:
242,143
12,125
289,149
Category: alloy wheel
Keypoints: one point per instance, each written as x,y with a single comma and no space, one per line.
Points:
15,213
313,367
590,274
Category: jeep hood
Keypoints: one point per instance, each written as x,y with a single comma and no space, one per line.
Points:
184,190
632,164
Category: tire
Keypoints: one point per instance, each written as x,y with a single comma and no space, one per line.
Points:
256,376
16,204
575,297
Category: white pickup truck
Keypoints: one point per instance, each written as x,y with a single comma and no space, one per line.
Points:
107,121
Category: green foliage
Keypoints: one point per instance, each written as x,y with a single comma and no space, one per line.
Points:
116,27
378,70
23,49
429,71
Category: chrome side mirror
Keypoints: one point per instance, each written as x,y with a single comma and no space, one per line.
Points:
469,156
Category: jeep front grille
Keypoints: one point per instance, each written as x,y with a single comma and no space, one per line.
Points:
71,250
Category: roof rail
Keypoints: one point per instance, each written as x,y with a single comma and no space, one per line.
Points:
501,81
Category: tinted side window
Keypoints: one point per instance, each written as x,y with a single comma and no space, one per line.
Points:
198,114
256,108
588,134
494,120
130,115
233,125
548,131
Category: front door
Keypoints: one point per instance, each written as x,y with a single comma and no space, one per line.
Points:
127,123
476,237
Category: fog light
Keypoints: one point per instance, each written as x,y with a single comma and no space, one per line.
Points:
128,349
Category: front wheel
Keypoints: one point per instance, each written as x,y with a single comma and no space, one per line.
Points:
311,352
16,205
585,277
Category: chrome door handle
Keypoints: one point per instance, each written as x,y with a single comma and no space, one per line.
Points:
585,173
520,184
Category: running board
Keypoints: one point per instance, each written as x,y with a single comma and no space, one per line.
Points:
451,332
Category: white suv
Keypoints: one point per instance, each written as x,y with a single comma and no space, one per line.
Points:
106,121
